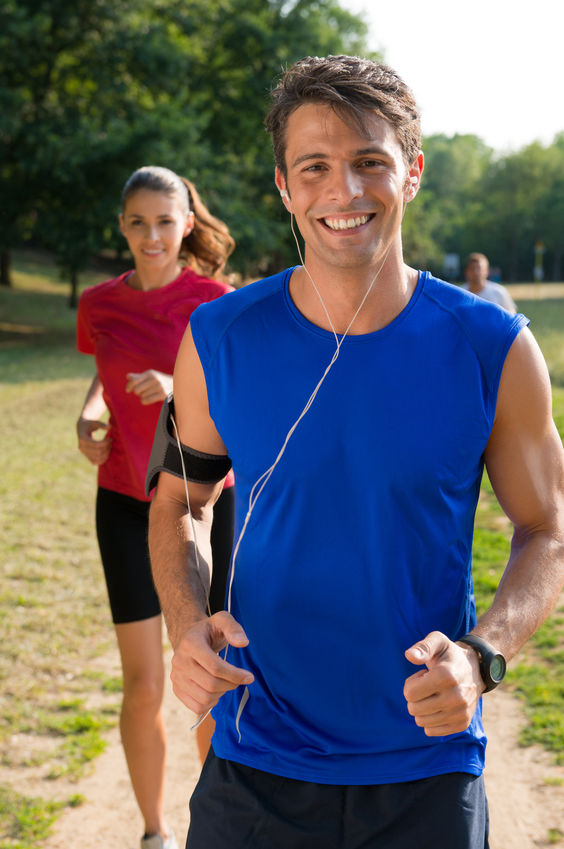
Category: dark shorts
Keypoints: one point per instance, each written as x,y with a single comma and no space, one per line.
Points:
237,807
122,525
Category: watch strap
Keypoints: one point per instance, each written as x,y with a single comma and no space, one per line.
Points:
486,653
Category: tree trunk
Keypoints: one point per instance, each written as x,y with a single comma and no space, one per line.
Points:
73,300
5,268
557,267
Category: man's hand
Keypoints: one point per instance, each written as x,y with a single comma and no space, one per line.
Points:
96,450
199,675
150,386
442,698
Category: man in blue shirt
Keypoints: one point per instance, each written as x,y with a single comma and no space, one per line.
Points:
358,401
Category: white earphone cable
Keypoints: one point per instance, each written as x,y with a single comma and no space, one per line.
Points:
264,478
259,485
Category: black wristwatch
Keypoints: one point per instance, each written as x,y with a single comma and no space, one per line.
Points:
492,662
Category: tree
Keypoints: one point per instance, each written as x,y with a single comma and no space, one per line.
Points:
453,168
507,224
237,49
550,213
87,93
91,89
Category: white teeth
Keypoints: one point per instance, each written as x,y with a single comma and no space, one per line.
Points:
345,223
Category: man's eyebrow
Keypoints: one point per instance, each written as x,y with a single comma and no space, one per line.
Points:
306,156
365,151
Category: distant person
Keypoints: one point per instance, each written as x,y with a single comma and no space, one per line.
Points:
133,325
476,271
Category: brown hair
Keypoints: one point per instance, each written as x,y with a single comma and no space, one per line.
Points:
207,247
351,86
476,257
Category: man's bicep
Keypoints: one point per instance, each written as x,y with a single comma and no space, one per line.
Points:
196,427
524,455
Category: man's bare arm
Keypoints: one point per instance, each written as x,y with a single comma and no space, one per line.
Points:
525,463
199,675
182,579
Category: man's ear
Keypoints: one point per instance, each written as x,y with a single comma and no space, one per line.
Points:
413,179
282,188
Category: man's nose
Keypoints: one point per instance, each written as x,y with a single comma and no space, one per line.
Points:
346,184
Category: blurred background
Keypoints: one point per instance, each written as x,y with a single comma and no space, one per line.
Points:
92,89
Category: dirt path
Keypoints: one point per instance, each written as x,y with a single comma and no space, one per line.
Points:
525,790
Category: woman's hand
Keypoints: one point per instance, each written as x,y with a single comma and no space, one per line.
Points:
95,450
150,386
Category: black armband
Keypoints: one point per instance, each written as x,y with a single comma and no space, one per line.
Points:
165,455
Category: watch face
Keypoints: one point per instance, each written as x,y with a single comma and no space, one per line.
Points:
497,668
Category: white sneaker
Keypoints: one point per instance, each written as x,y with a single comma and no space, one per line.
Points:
155,841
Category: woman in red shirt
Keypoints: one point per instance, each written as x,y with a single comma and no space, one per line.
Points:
133,325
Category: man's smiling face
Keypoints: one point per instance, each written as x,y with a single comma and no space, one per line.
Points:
347,188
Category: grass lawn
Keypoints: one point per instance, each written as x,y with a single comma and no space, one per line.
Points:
56,701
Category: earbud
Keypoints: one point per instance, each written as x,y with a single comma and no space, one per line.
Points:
410,189
284,194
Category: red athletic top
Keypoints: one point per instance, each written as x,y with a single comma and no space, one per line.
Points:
130,330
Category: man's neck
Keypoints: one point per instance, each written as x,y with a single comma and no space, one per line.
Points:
342,290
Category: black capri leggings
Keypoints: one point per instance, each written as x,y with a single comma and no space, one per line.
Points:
122,526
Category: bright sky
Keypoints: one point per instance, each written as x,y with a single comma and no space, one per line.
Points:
494,68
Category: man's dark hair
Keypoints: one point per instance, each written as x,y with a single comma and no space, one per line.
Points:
352,86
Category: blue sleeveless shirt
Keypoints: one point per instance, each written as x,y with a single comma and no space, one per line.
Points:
361,542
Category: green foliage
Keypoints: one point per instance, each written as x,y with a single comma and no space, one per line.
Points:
499,205
543,689
547,320
491,550
24,820
453,168
91,91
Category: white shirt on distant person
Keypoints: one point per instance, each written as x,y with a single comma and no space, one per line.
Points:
497,294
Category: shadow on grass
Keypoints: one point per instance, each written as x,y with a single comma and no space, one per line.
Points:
37,338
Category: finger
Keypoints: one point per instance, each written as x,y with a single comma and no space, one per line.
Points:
214,674
94,445
134,380
429,650
222,676
414,687
225,627
197,701
198,685
429,682
441,724
86,429
152,395
96,461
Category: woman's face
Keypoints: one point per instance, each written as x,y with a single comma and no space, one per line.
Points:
154,224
